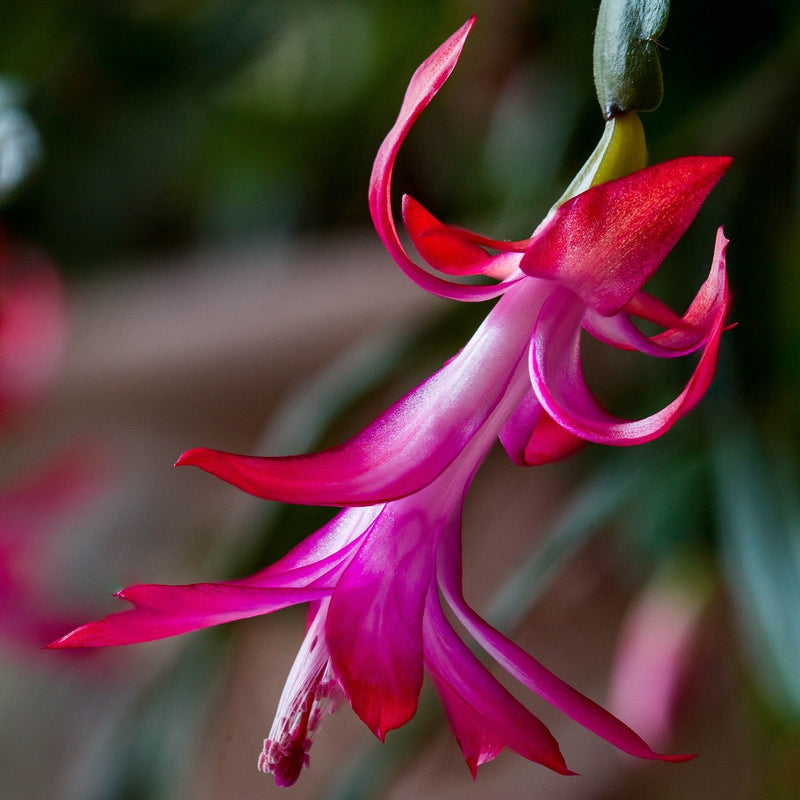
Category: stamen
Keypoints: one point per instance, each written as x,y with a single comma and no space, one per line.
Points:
311,694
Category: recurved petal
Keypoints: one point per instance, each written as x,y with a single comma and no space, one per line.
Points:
484,716
374,622
558,381
425,83
163,610
606,242
456,251
528,671
684,334
531,436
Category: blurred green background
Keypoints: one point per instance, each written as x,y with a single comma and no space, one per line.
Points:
134,132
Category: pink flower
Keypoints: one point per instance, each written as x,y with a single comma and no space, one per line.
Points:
32,327
385,573
31,513
655,652
32,334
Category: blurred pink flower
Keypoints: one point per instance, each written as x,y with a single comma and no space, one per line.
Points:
31,512
653,658
32,327
383,575
32,506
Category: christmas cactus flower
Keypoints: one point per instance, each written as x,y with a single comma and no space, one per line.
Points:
383,578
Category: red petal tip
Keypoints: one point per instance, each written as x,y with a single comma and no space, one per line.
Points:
678,759
193,458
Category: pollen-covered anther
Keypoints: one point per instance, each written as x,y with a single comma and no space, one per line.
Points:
285,759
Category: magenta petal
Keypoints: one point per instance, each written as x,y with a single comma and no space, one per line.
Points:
320,553
456,251
425,83
163,610
559,384
374,622
443,247
620,331
517,431
401,451
607,241
531,436
528,671
307,573
484,716
411,443
550,442
646,306
684,334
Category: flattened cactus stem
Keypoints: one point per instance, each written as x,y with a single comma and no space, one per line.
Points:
627,69
620,151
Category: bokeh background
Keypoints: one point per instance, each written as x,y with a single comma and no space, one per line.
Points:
197,172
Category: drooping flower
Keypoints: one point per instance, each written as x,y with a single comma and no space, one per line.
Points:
383,575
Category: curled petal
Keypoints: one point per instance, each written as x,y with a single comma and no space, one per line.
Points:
374,622
483,714
711,301
550,442
444,248
684,334
621,332
607,241
425,83
528,671
558,379
646,306
456,251
531,436
162,610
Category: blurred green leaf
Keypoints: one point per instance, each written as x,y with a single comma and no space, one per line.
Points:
592,504
759,528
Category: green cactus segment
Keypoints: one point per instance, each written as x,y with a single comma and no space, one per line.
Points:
627,68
